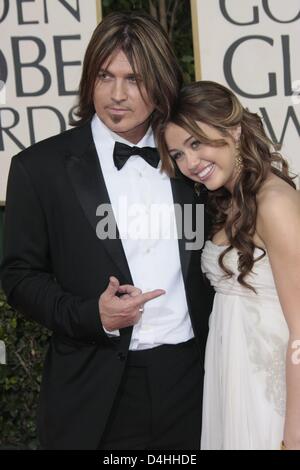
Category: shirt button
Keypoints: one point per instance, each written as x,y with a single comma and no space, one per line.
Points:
148,250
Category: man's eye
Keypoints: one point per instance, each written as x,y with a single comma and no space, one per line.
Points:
103,76
195,144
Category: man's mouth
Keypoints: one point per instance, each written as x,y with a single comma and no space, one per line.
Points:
118,110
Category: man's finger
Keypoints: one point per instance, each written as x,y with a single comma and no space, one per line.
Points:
129,289
125,297
113,286
143,298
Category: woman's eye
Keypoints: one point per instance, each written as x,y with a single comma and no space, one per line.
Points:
176,156
195,144
132,79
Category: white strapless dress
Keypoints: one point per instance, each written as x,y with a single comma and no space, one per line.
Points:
244,386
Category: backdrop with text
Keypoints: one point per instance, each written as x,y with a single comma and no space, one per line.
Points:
251,46
42,47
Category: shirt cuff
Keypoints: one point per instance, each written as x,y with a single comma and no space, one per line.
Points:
111,333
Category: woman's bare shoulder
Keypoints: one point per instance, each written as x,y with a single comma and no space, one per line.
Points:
277,193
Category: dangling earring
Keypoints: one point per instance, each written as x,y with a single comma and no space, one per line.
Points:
239,165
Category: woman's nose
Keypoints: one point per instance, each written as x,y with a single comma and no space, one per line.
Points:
193,161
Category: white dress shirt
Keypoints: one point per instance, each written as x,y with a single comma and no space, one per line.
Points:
138,192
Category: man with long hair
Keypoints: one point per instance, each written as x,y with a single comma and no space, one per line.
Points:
128,313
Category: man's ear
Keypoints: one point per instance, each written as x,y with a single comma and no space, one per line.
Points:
236,133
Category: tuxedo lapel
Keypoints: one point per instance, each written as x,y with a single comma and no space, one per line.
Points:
84,170
183,194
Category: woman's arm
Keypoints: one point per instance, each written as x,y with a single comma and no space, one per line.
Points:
278,225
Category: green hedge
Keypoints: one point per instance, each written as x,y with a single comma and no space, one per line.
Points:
176,15
26,344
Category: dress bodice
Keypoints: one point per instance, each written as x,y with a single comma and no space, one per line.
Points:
261,277
244,388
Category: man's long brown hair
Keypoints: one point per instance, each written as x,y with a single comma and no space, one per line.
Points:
215,105
148,50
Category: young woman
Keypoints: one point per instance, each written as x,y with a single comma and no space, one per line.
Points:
252,364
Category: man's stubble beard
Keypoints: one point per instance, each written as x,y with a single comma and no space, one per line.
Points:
116,119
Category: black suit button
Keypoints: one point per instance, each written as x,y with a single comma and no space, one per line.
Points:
121,356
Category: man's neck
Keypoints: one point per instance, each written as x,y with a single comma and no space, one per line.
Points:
144,138
134,135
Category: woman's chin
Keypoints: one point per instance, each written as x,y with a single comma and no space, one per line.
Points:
213,186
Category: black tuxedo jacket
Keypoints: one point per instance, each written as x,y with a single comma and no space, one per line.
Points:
54,270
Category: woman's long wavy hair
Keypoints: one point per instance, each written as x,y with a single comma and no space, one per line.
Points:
215,105
148,50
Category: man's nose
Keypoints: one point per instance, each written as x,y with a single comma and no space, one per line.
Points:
119,91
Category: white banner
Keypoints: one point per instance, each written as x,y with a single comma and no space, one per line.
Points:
252,46
41,52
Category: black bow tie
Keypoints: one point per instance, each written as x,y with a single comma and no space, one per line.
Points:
122,152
